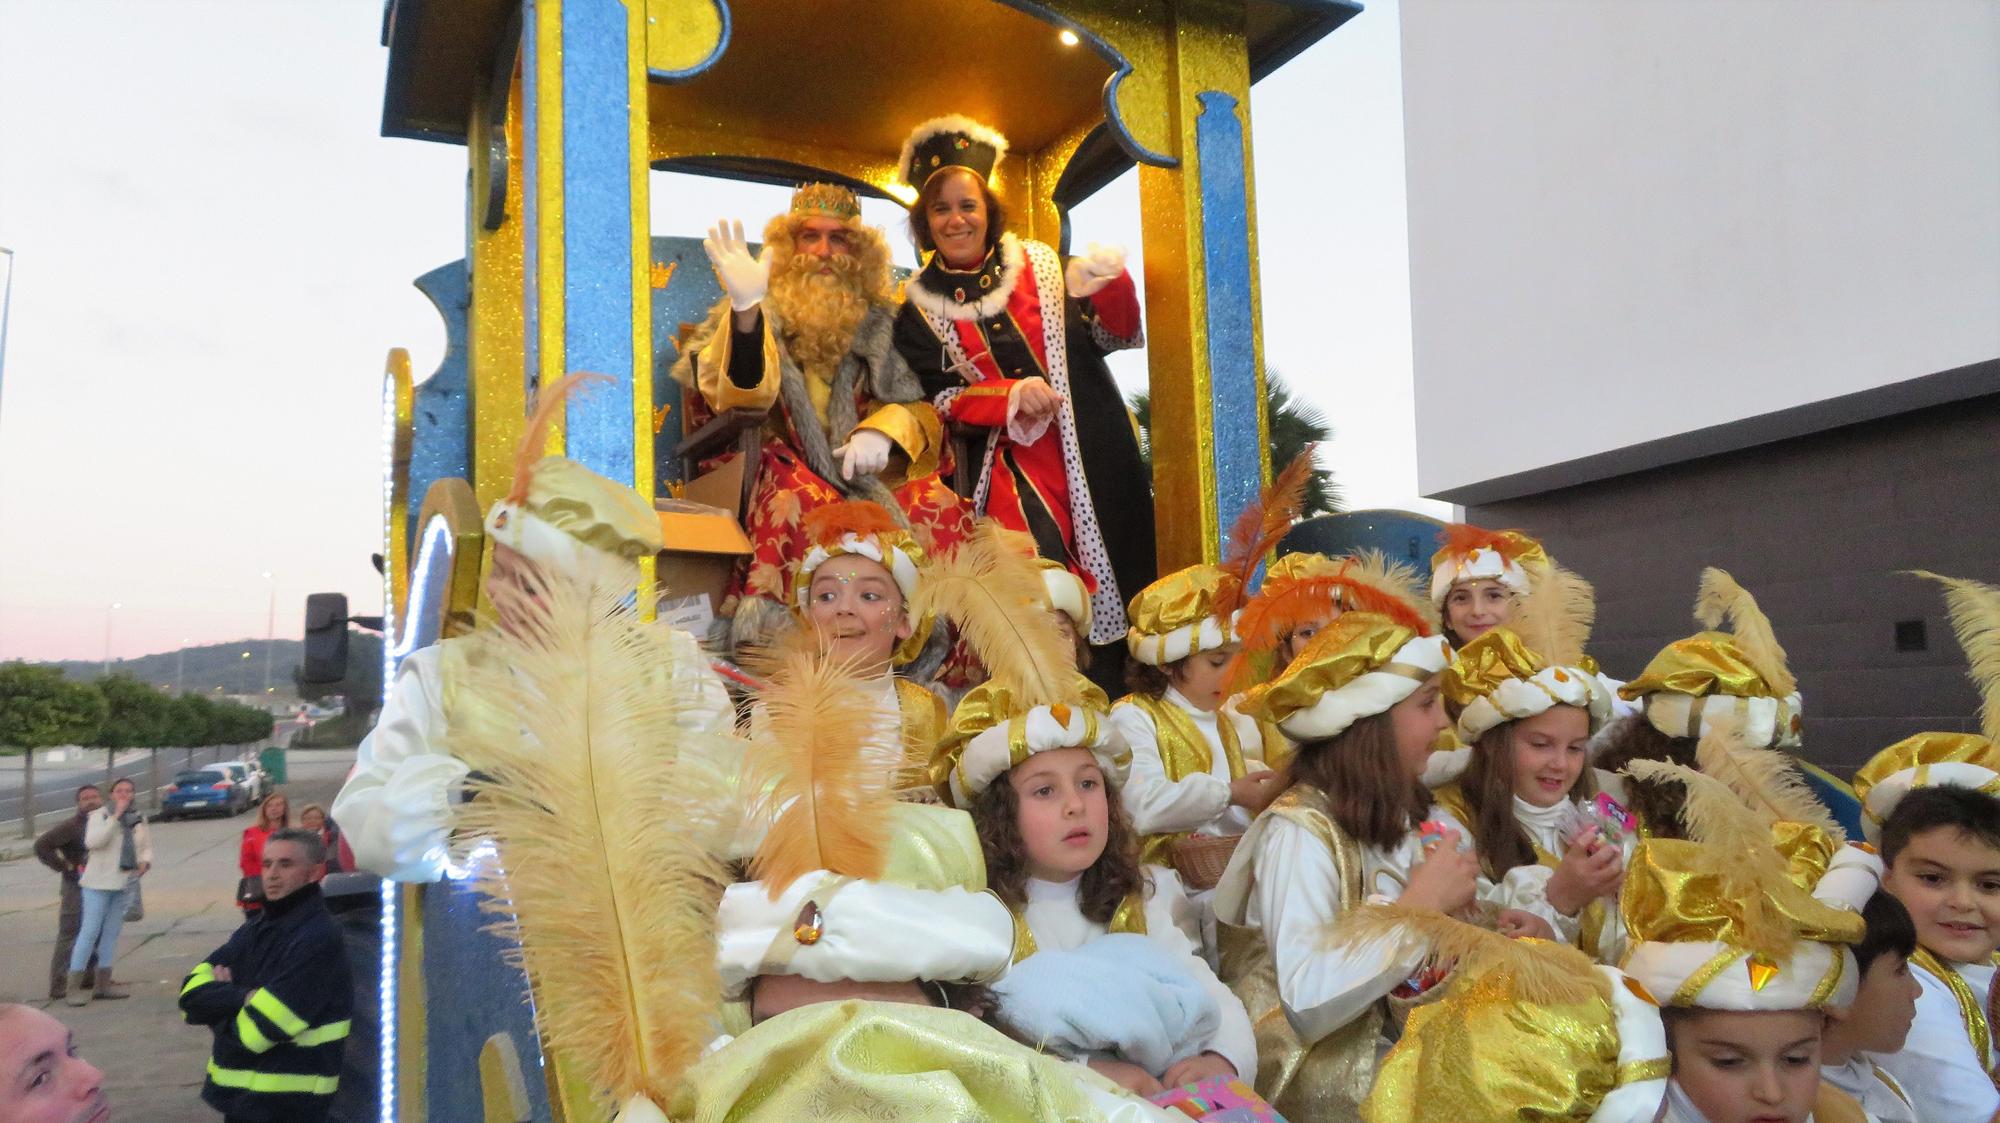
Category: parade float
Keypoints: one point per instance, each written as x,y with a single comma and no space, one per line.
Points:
564,108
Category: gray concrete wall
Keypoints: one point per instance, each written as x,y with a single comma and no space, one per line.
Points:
1817,528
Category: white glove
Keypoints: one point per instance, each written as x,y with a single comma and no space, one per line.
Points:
1098,267
865,453
744,278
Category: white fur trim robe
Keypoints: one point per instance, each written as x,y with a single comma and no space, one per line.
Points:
1198,803
1172,923
1937,1066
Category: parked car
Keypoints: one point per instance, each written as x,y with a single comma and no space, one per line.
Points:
203,791
247,773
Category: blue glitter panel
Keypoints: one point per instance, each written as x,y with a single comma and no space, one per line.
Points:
460,1017
1231,339
597,234
440,429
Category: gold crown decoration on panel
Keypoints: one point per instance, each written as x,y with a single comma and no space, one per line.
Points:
662,272
827,200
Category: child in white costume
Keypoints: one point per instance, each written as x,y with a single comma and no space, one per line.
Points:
1938,836
1062,856
1362,702
865,966
1878,1022
855,588
1927,801
867,912
1196,769
560,517
1744,952
1480,579
1527,709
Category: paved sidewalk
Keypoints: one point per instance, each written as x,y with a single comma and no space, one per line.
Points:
153,1061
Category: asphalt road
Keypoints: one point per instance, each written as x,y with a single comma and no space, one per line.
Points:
55,786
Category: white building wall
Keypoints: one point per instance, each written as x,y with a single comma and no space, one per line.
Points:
1631,219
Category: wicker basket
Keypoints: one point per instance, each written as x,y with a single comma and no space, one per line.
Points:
1201,858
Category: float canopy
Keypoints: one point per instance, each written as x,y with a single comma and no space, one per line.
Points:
773,89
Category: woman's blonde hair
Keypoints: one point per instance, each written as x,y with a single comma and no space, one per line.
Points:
264,809
309,809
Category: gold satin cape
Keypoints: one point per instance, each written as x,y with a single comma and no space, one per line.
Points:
884,1062
924,720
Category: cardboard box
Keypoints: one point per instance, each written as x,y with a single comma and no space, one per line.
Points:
704,544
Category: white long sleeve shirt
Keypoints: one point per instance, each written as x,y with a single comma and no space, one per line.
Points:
1296,901
1173,923
1295,898
1198,803
1873,1088
1946,1080
395,809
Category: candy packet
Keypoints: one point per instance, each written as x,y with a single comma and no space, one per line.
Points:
1613,821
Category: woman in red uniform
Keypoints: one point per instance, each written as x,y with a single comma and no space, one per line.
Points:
1010,340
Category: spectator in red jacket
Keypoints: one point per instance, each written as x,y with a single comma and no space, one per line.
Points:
274,814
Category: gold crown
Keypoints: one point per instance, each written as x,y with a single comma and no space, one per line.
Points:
830,200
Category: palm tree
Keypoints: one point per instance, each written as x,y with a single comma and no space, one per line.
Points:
1293,425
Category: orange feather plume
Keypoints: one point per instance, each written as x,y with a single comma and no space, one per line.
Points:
827,760
1462,539
1258,530
1367,582
825,525
535,440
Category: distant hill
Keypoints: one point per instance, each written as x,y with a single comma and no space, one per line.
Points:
202,669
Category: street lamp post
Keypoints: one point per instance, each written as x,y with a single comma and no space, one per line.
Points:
180,667
108,617
270,631
6,305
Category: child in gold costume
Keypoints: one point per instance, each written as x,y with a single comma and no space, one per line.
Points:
1929,801
854,588
1362,702
1744,946
1527,708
